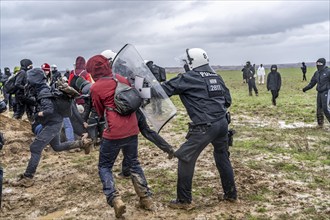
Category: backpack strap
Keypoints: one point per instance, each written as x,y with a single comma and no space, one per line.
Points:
109,108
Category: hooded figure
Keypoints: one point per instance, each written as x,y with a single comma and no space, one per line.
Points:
80,69
322,78
274,82
20,84
4,77
36,76
51,121
120,133
304,70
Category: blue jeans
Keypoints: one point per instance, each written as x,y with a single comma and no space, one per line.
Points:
109,151
50,134
198,138
68,129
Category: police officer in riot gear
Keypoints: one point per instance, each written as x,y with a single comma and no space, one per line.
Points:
249,72
322,78
206,99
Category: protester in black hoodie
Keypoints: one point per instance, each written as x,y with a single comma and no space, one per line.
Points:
274,82
322,78
303,70
51,122
20,84
7,97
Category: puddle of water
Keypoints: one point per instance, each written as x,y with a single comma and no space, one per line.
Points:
53,215
284,125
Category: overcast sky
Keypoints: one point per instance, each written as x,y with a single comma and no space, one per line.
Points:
231,32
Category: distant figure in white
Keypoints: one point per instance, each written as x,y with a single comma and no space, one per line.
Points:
261,74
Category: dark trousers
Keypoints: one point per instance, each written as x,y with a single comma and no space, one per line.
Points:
304,77
252,85
20,108
109,151
8,98
322,107
197,139
50,134
150,135
96,127
274,96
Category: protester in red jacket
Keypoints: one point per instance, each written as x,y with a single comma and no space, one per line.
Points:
79,70
120,134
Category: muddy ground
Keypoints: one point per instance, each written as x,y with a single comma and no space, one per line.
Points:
67,185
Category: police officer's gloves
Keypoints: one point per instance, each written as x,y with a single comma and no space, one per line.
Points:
304,90
231,133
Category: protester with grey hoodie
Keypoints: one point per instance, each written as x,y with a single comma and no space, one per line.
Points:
274,82
51,121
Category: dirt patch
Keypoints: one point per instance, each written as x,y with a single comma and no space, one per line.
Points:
67,185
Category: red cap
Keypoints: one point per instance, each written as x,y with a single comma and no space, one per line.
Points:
45,67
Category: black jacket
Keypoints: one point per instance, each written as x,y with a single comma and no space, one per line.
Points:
202,92
5,76
21,77
46,105
322,79
303,68
248,72
274,81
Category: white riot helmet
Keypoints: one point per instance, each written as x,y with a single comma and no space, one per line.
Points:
109,54
53,67
196,57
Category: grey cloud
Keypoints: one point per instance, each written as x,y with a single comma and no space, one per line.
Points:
59,31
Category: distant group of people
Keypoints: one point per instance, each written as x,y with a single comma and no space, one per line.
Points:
202,91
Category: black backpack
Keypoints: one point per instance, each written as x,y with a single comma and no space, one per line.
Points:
9,86
127,99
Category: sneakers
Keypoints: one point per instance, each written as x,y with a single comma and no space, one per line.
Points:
23,181
147,203
176,204
119,206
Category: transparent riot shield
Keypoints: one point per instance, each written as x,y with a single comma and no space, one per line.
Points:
157,106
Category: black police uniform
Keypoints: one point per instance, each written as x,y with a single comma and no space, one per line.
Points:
322,79
249,72
206,98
